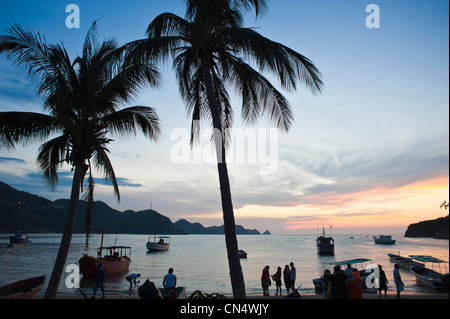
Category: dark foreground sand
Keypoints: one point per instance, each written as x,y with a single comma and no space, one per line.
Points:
126,295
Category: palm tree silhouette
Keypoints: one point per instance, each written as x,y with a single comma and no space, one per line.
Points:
81,100
210,48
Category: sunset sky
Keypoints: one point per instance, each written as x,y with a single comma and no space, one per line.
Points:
368,155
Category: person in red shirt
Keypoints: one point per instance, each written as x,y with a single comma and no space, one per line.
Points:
265,281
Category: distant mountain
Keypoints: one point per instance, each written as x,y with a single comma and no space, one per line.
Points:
196,228
34,214
436,228
267,232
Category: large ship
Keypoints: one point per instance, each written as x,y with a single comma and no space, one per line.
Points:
325,244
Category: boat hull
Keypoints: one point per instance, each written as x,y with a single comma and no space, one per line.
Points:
180,293
89,266
23,289
325,245
404,262
429,278
154,247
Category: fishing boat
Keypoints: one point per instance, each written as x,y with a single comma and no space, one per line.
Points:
325,244
384,240
23,289
404,262
158,243
115,261
430,277
19,240
242,253
353,262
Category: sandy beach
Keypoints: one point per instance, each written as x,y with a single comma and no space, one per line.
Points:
116,295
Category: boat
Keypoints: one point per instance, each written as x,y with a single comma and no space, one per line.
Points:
242,253
404,262
384,240
177,293
115,261
158,243
23,289
430,277
353,262
325,244
19,240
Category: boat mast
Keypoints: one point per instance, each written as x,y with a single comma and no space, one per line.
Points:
103,234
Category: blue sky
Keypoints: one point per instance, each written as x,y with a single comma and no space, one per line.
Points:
357,153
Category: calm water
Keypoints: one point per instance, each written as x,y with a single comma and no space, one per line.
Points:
200,261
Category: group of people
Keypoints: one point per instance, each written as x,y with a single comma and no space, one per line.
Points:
169,281
289,275
348,284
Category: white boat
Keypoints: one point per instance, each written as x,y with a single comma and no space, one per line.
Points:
430,277
325,244
384,240
404,262
158,243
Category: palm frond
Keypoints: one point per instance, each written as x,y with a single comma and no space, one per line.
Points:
259,96
51,157
25,127
104,166
133,119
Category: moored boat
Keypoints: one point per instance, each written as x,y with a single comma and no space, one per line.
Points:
430,277
23,289
325,244
353,262
115,261
158,243
384,240
242,253
404,262
19,239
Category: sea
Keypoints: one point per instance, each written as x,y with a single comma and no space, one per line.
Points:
200,261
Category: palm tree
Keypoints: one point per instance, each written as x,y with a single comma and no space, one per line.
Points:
81,100
210,47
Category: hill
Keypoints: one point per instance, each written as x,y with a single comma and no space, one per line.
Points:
436,228
196,228
34,214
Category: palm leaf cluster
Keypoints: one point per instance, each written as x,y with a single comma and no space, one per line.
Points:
82,100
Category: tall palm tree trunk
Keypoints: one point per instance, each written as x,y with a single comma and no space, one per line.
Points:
234,263
53,285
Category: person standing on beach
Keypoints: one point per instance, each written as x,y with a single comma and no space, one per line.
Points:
170,280
100,281
265,281
383,281
326,284
287,278
338,283
277,279
292,276
355,286
398,281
